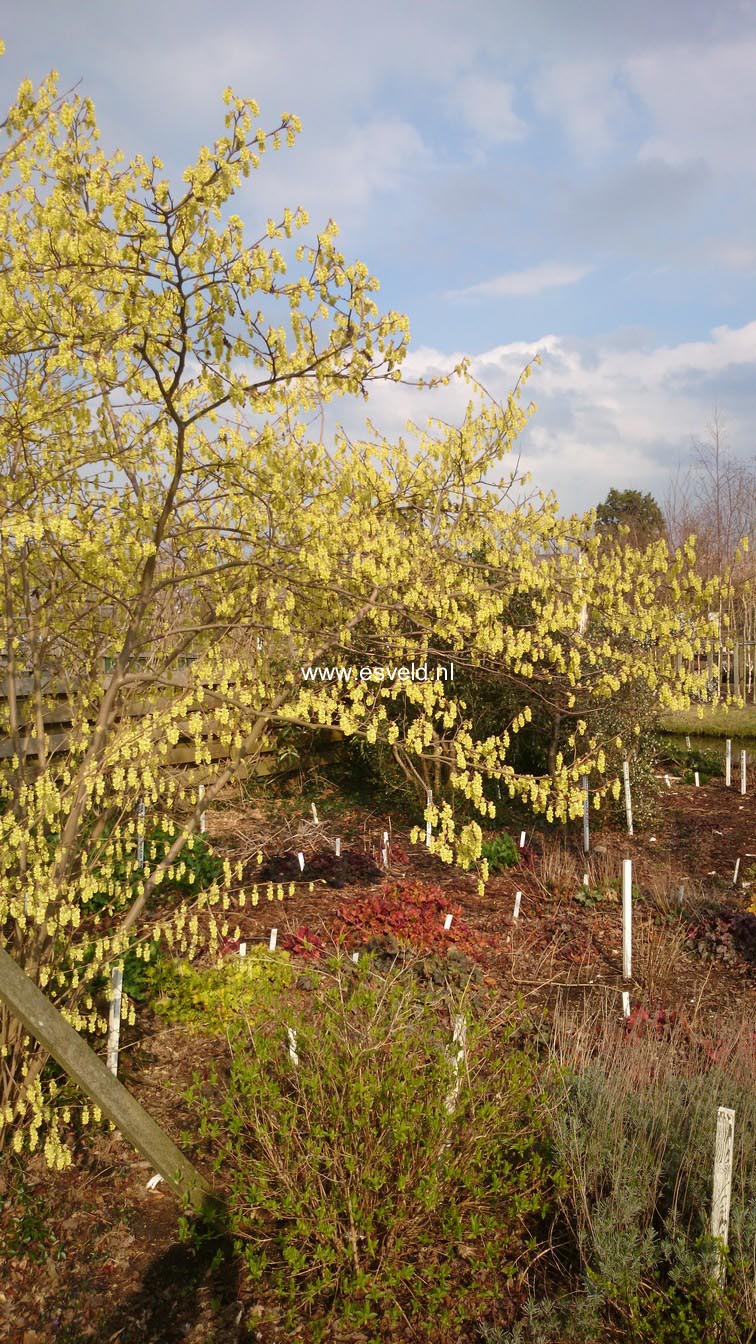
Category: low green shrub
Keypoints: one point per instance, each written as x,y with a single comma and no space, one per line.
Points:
219,998
357,1199
501,852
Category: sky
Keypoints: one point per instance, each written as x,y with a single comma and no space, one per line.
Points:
573,178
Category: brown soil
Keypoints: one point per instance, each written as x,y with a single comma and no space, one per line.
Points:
102,1261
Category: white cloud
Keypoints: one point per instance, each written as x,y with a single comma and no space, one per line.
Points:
532,280
485,106
586,101
617,411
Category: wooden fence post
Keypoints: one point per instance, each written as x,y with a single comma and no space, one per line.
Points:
48,1026
722,1185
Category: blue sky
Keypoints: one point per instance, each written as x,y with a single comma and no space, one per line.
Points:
573,177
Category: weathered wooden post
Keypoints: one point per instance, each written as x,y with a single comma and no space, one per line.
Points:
48,1026
722,1185
459,1039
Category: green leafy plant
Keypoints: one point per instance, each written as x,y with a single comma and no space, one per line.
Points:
218,998
356,1197
501,852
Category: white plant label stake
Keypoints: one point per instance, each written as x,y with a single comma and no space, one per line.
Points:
459,1039
202,824
695,776
666,781
518,898
428,829
628,800
522,839
242,949
140,834
742,772
315,814
728,762
337,846
114,1019
292,1035
735,874
722,1185
627,919
687,741
447,922
586,816
300,858
273,940
355,957
625,1003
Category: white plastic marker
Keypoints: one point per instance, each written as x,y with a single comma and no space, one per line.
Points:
728,762
518,898
203,827
385,852
627,919
585,880
687,741
337,846
695,776
114,1019
586,816
628,800
292,1035
522,839
154,1181
300,857
459,1039
314,814
722,1184
428,804
735,874
742,772
273,940
355,957
666,781
242,949
140,834
625,1003
447,922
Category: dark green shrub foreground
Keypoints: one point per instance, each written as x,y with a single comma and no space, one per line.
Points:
357,1200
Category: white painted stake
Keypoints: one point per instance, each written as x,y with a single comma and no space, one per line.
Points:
518,898
300,857
626,1003
666,781
273,940
337,846
522,839
728,762
140,834
695,776
428,830
314,814
722,1184
742,772
203,827
459,1039
627,919
385,854
687,741
628,800
292,1035
447,922
242,949
735,874
586,816
114,1019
